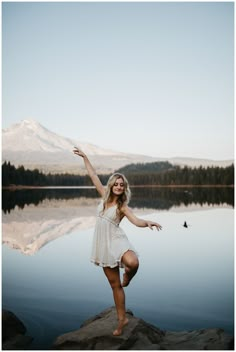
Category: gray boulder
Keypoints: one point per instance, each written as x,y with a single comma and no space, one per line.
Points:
96,334
13,332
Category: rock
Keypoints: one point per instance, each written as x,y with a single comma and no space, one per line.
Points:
203,339
96,334
13,331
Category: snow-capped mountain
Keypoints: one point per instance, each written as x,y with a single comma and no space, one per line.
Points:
30,144
30,136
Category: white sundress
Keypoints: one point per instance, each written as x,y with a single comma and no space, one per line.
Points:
109,240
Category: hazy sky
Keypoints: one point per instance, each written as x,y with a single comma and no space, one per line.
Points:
152,78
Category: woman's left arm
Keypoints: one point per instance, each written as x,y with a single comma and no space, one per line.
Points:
137,221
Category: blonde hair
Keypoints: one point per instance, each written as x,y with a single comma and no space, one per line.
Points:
124,198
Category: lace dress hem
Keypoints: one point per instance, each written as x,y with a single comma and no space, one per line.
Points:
117,263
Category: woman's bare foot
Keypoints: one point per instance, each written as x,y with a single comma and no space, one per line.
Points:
126,280
118,331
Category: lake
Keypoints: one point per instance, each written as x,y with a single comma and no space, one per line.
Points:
186,275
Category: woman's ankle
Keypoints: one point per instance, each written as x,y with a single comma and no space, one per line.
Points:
121,323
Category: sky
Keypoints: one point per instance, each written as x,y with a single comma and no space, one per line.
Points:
152,78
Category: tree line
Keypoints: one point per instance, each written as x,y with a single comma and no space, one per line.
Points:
137,174
12,175
177,175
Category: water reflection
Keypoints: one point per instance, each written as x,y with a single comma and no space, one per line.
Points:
191,281
167,197
21,198
30,229
144,197
33,218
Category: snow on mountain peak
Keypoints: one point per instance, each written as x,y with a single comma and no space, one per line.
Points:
31,136
26,123
30,123
28,135
30,144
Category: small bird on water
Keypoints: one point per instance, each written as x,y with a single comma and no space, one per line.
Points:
185,224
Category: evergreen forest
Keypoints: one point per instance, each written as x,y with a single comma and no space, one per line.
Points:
153,174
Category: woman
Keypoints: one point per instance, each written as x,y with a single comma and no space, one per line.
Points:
111,248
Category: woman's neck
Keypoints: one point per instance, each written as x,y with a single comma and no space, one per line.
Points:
113,200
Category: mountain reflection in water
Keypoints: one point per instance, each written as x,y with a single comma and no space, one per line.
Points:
185,280
33,218
31,228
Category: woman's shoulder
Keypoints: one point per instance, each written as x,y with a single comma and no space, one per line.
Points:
124,208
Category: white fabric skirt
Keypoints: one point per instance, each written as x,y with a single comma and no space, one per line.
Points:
109,241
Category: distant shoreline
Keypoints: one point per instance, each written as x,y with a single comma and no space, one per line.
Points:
21,187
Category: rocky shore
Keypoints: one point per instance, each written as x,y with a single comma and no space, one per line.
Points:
13,332
96,334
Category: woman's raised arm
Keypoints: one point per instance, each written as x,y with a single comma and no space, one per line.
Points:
91,171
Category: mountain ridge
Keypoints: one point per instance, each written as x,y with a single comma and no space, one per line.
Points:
30,144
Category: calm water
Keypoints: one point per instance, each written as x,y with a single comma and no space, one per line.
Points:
185,279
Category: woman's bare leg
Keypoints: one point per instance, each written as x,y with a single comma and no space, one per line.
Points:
131,263
113,276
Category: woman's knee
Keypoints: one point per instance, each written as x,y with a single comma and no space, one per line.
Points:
115,284
131,260
134,264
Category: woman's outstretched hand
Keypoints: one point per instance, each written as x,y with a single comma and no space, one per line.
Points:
150,224
78,152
